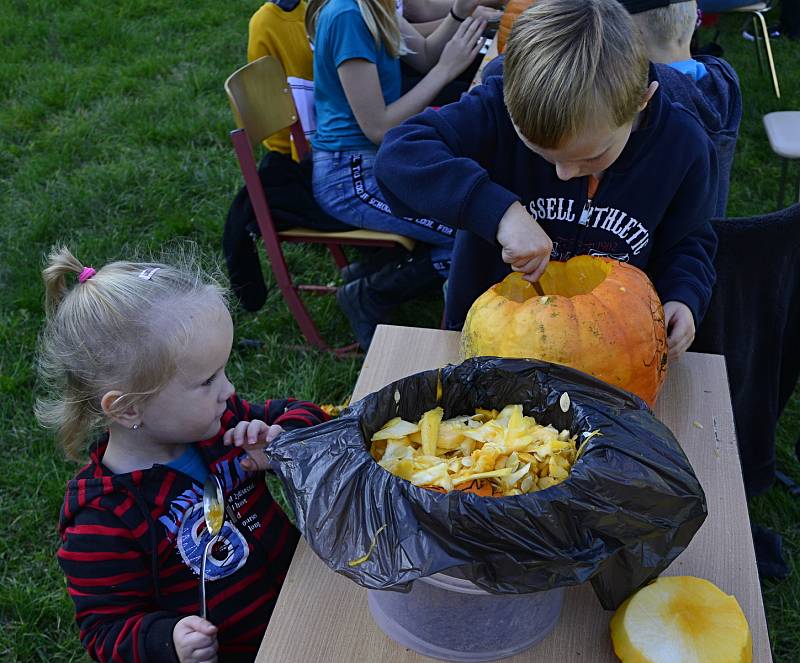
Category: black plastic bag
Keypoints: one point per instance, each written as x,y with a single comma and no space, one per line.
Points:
629,507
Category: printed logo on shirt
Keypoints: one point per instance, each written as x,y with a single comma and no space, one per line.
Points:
610,219
228,553
564,254
360,190
622,257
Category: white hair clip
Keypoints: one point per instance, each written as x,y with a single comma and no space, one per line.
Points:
148,273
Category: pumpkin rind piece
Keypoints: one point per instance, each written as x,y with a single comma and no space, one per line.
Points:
681,618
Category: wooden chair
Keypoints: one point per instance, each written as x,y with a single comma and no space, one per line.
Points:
262,104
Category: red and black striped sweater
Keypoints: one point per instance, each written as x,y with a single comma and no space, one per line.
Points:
131,546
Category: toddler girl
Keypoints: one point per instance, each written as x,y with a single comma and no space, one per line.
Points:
140,349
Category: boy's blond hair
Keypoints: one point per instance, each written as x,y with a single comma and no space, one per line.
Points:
672,25
121,328
570,64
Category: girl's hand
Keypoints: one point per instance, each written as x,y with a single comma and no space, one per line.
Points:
679,321
482,12
526,247
463,47
467,7
195,640
253,436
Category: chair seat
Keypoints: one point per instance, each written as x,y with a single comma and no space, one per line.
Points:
306,234
783,131
755,7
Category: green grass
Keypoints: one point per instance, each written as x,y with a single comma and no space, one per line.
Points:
113,134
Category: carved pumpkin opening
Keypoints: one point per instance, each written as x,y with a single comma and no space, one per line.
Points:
578,276
595,314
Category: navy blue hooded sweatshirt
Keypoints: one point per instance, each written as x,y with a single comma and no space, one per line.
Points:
715,100
464,165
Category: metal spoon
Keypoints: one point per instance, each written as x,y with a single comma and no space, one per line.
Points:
214,514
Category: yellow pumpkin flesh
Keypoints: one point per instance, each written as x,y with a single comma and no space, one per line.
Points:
598,315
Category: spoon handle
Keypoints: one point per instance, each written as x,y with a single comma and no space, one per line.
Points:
203,578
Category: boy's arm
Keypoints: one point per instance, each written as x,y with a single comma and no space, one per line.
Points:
682,263
110,582
434,164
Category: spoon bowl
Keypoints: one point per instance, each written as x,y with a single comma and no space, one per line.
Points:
214,514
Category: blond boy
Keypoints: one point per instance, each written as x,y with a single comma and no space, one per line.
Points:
574,151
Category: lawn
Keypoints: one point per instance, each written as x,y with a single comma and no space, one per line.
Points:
113,126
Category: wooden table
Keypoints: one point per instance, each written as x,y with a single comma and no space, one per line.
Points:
321,616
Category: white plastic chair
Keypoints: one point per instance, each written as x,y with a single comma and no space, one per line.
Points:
783,132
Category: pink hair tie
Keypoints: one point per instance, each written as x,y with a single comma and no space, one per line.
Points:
86,274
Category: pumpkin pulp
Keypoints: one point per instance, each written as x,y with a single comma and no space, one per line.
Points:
560,279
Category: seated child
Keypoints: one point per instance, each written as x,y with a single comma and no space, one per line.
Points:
140,349
705,85
278,29
357,96
574,151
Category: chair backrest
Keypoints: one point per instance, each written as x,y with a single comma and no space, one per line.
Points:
261,99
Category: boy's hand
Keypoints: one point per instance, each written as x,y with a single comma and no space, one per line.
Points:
680,328
195,640
526,247
253,436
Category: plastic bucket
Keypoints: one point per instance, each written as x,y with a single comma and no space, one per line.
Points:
449,618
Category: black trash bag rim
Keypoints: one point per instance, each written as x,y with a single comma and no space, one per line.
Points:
630,505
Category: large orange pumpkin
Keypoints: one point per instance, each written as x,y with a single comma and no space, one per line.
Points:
598,315
513,9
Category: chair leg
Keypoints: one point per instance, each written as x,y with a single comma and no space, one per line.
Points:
769,54
304,320
292,297
782,188
338,255
757,43
798,185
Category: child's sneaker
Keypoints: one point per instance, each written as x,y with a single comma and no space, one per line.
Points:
774,33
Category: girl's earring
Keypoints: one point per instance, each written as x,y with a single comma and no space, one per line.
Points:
135,427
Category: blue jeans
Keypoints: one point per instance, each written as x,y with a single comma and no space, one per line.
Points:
345,187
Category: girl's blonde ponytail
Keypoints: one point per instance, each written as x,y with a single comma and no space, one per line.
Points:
60,263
